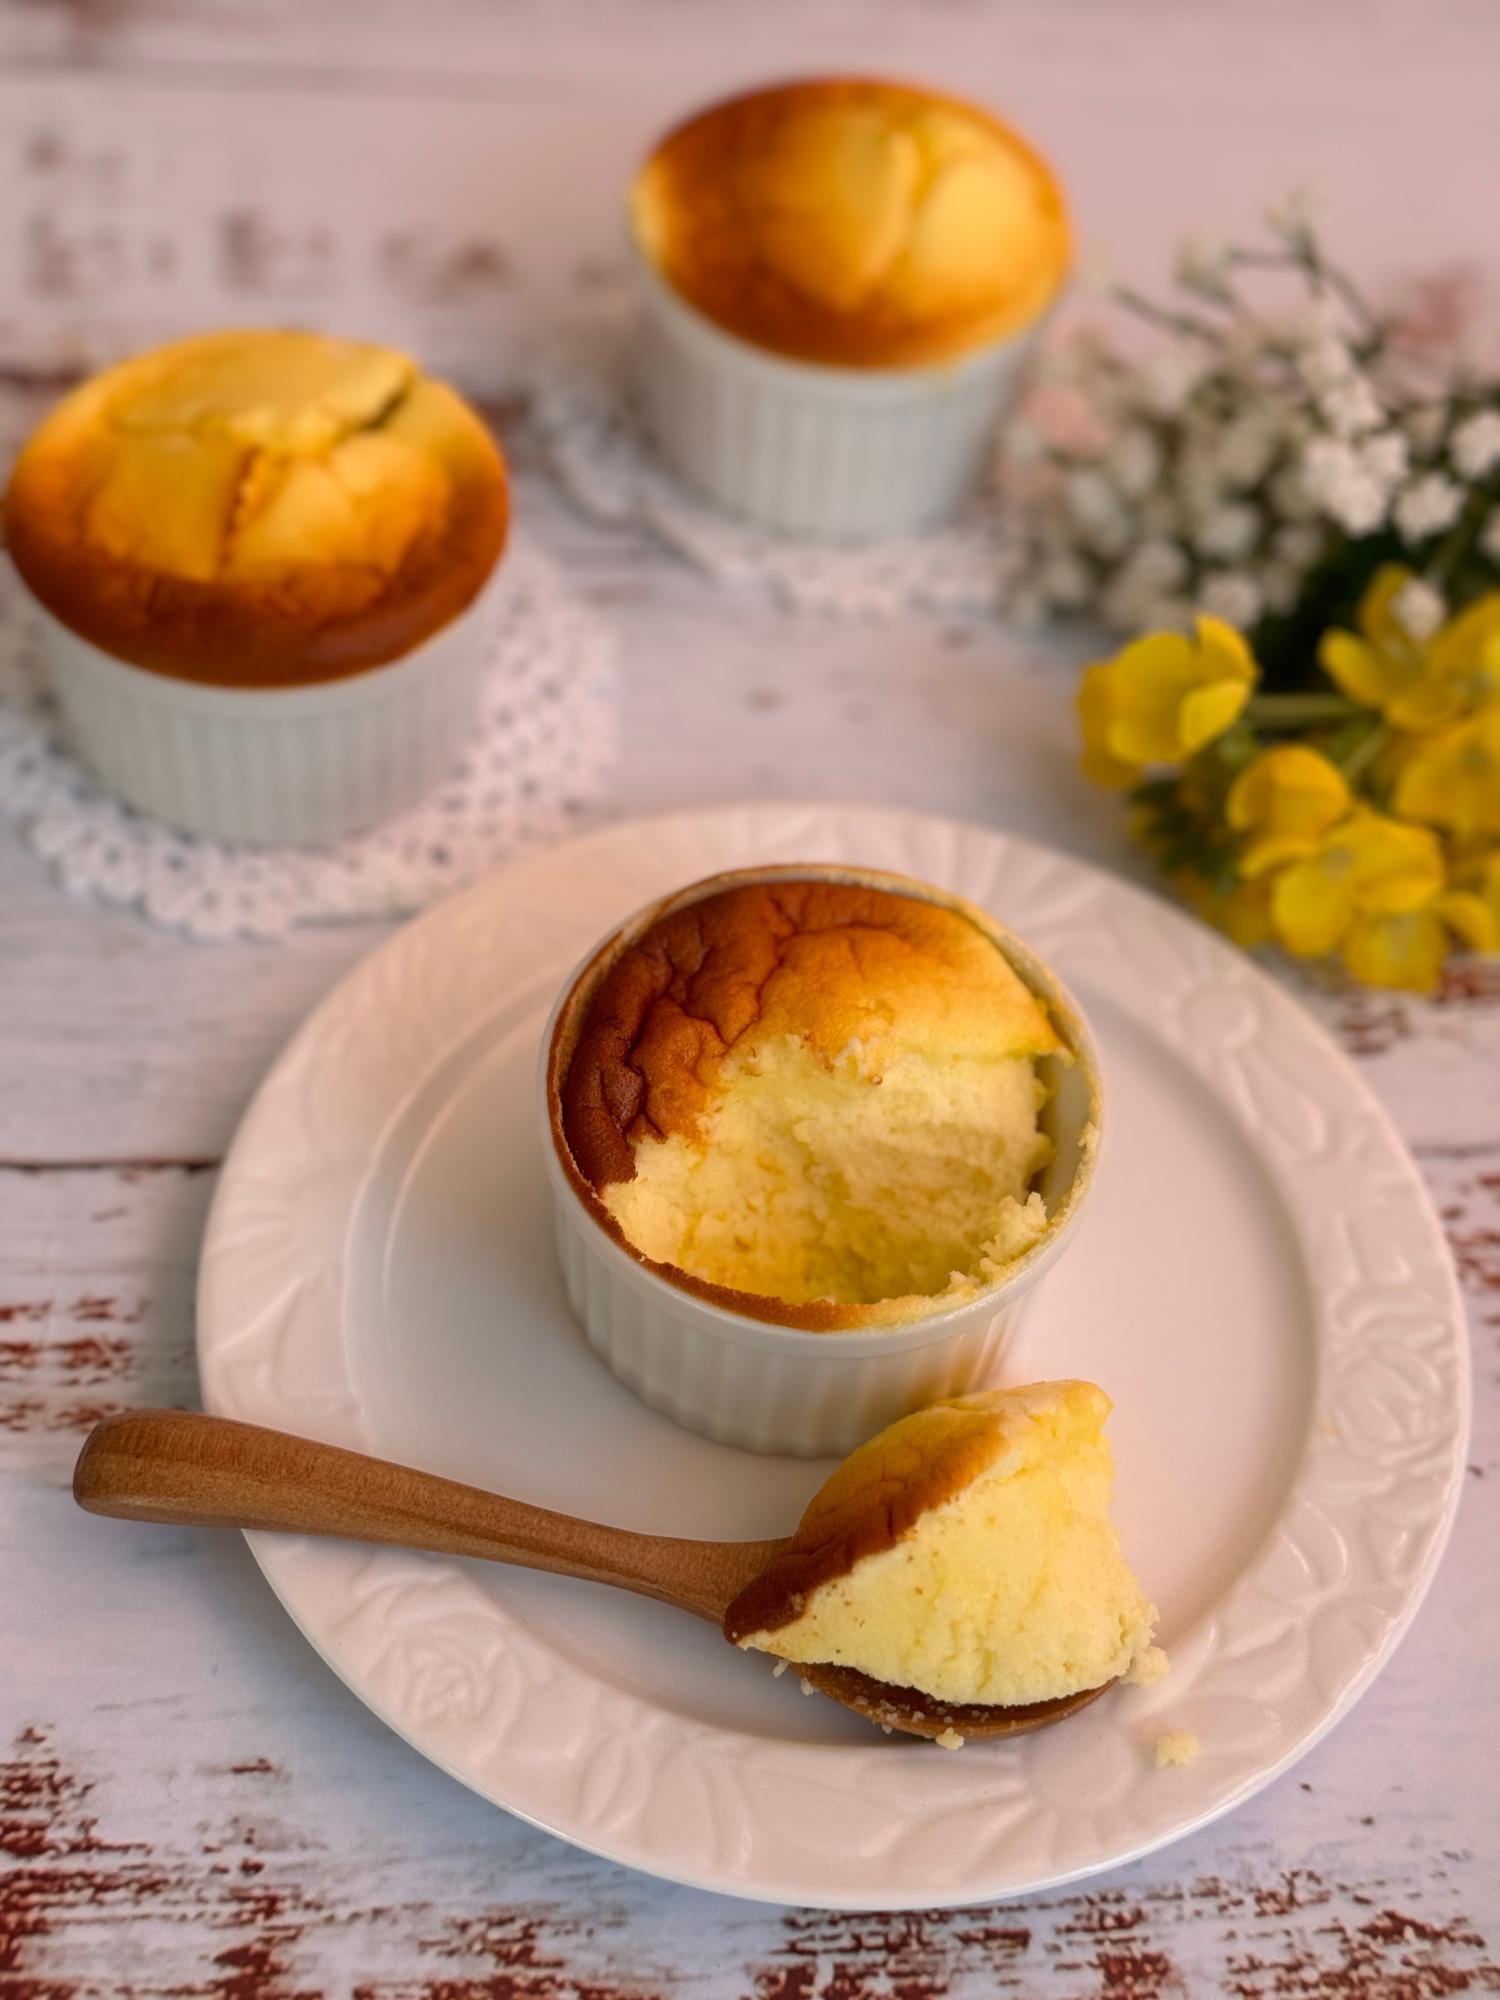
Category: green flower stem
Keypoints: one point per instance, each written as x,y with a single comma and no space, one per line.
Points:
1363,755
1293,711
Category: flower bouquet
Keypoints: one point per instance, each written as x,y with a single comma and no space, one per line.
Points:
1300,512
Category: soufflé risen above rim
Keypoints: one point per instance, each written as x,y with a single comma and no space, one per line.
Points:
854,222
258,509
818,1097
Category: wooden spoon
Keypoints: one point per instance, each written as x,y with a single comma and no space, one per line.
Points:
194,1471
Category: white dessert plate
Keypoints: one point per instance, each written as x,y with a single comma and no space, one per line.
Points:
1259,1283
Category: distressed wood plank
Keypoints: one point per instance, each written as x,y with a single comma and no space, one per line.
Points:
451,178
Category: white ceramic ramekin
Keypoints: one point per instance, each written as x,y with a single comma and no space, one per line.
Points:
808,449
750,1381
288,764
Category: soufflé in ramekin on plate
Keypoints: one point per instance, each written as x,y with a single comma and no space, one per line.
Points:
256,556
841,279
812,1132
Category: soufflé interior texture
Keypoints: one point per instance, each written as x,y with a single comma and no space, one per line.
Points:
815,1091
966,1552
853,222
258,508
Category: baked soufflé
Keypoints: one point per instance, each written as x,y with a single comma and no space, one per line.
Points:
258,508
814,1092
966,1552
854,222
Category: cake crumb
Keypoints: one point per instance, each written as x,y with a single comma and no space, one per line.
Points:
1177,1748
779,1669
1148,1667
949,1740
807,1686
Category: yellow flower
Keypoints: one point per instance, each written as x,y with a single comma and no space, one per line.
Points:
1405,950
1161,699
1367,866
1285,800
1418,684
1473,904
1453,779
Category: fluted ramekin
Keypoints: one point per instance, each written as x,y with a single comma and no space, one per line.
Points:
743,1378
805,448
285,764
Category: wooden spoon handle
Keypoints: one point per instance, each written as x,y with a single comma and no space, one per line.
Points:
211,1472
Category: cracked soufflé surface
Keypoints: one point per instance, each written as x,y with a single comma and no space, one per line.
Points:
854,222
814,1091
258,508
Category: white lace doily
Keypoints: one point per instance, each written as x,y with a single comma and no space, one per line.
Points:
545,735
586,421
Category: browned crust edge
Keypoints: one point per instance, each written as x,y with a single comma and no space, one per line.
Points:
914,1713
818,1316
251,635
918,1464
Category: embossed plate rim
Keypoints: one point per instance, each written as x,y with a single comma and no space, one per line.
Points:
1354,1548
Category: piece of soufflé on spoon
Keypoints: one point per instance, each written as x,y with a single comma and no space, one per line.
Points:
965,1557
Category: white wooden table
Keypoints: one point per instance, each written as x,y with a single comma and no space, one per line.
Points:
189,1803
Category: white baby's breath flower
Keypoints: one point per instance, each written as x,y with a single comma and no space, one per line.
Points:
1489,536
1428,506
1169,378
1385,457
1418,609
1292,217
1232,596
1134,461
1229,532
1327,364
1126,607
1350,408
1343,486
1203,266
1475,449
1247,444
1091,498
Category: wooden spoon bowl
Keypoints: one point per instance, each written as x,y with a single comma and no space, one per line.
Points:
179,1468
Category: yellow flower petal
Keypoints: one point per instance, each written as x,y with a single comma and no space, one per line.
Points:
1153,676
1453,779
1207,712
1377,616
1224,652
1471,919
1096,713
1288,790
1357,669
1275,850
1403,951
1310,909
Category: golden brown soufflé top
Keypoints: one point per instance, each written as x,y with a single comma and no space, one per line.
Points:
258,508
826,963
854,222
